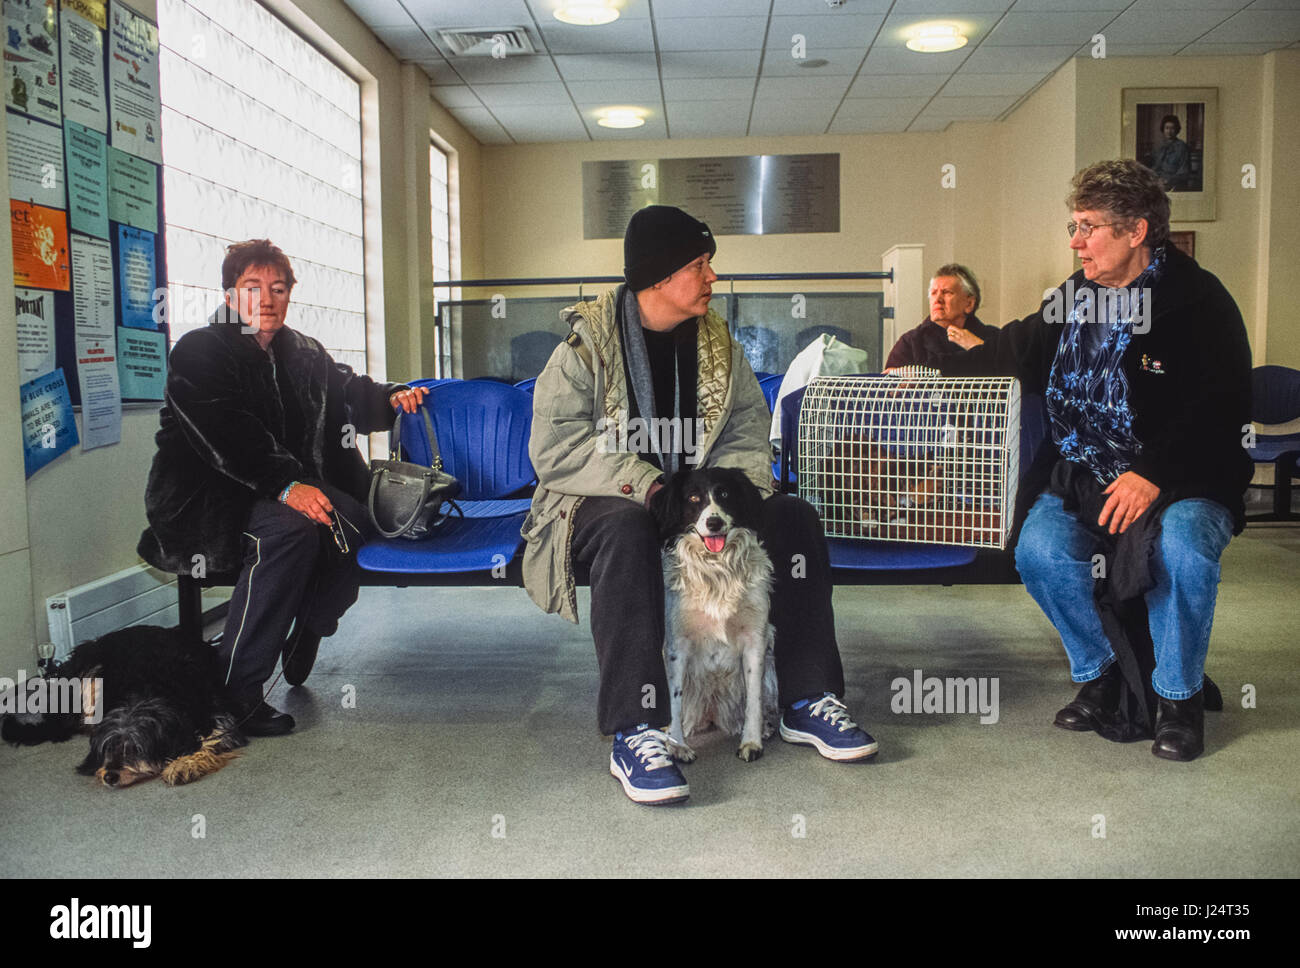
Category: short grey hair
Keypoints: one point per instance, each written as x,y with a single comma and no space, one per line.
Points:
1128,191
964,276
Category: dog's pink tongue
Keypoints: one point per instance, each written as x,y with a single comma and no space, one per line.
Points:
714,542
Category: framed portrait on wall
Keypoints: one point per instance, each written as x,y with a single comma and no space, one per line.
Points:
1174,132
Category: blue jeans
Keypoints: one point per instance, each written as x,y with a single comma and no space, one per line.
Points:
1054,557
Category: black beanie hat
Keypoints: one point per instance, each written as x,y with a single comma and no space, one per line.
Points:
660,240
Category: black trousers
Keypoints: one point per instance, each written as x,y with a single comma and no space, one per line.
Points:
616,539
292,567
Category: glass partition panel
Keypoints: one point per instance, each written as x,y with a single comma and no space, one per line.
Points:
775,327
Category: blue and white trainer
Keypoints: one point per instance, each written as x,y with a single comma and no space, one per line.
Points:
644,766
825,724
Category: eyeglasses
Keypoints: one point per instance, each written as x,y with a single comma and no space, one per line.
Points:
336,530
1084,229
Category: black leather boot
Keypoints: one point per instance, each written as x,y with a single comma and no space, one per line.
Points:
1098,697
1180,728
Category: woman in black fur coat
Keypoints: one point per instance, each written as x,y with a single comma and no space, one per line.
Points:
257,471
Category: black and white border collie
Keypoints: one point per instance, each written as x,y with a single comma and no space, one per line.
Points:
717,580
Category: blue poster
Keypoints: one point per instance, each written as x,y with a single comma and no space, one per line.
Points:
87,179
137,272
141,364
48,427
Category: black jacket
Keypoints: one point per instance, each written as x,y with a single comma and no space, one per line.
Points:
223,443
928,343
1188,382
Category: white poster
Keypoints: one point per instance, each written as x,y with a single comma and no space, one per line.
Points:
31,81
35,162
92,288
83,71
35,311
101,394
133,85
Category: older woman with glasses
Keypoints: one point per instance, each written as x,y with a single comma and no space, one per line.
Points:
257,471
1145,366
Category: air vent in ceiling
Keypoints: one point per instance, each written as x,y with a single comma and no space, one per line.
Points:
487,41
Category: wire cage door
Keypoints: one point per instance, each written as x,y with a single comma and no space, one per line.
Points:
926,459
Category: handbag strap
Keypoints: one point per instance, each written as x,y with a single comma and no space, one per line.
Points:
395,439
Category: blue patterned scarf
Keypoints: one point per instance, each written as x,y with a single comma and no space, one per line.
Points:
1087,391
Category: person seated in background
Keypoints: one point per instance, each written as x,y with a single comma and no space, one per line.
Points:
647,350
257,470
1143,360
952,326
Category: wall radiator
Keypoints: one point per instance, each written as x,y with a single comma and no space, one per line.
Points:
139,595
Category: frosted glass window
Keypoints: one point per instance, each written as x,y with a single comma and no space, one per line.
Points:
440,197
261,139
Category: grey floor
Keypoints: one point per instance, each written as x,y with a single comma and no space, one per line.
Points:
473,716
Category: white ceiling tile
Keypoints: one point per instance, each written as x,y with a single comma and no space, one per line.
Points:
456,97
965,84
937,10
782,63
509,95
525,69
708,119
1258,27
542,122
1135,50
850,30
408,43
700,89
896,108
1061,6
803,87
469,13
710,33
599,67
896,85
803,116
1021,60
929,124
843,125
615,92
380,13
1021,29
1172,5
820,8
621,35
900,60
715,8
723,63
1153,27
1229,50
479,121
971,108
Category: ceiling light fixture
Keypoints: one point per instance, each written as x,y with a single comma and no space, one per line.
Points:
620,118
591,14
936,38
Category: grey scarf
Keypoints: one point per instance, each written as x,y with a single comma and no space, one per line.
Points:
642,389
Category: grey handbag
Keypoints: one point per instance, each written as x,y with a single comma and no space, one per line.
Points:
406,500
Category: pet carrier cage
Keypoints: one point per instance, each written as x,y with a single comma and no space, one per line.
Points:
912,457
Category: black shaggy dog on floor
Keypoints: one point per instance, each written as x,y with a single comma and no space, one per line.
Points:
162,712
